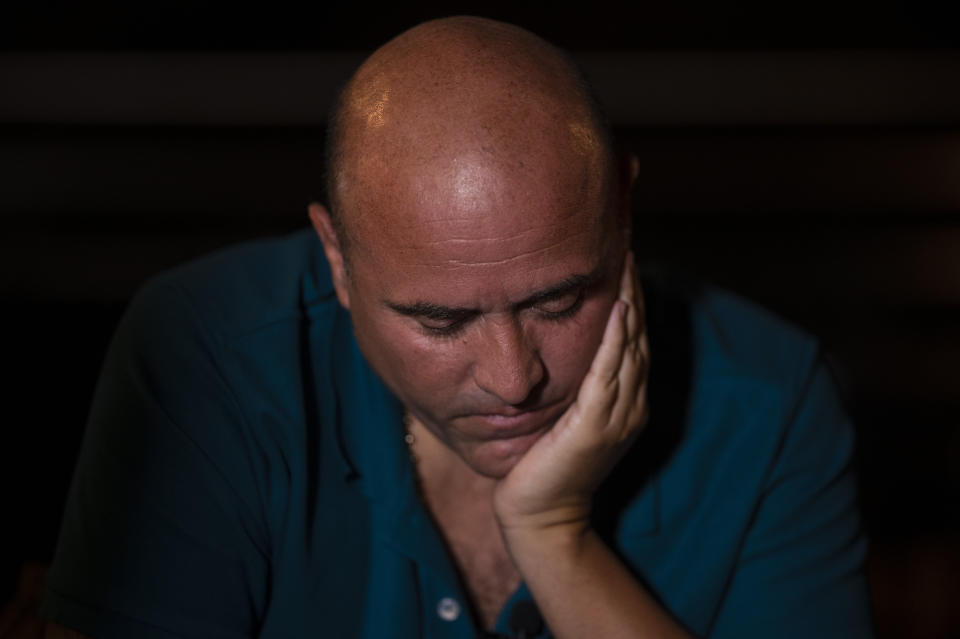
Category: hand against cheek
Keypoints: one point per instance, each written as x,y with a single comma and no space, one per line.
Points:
553,483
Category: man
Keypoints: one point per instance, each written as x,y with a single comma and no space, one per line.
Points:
438,426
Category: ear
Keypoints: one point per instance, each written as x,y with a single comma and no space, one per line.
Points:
323,225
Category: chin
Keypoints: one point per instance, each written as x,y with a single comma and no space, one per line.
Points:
497,469
496,458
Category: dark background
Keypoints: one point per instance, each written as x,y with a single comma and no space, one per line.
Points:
805,154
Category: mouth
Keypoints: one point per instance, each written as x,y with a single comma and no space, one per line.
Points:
512,424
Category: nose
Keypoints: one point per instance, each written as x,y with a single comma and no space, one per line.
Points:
507,364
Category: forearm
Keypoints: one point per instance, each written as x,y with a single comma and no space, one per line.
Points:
584,590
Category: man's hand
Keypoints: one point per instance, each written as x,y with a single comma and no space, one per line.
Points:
551,487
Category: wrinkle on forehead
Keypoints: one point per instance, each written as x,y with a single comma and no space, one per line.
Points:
522,252
467,240
501,262
486,231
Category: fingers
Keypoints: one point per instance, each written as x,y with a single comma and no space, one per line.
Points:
613,395
628,293
606,362
631,375
600,389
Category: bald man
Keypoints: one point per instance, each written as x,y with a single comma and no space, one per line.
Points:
429,418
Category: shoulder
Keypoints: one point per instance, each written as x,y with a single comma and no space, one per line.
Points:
736,338
714,338
728,375
241,288
748,440
203,347
218,350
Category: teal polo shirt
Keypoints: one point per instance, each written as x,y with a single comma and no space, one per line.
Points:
244,474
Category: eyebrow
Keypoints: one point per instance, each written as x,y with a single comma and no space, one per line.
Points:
438,312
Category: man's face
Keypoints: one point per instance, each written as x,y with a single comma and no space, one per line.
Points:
480,294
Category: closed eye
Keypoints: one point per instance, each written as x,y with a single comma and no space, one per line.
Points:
553,310
561,307
450,329
553,304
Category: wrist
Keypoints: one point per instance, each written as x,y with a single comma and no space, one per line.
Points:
548,535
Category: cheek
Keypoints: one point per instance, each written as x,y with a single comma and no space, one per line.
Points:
567,349
436,366
408,360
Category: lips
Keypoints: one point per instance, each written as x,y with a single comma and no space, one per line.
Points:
492,426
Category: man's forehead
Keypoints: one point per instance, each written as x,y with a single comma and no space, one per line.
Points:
490,286
459,264
470,196
472,215
473,235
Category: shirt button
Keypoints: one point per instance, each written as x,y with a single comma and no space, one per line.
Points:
448,609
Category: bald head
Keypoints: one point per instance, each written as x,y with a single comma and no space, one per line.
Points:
474,189
453,105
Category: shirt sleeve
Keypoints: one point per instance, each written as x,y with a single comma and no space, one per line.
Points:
800,572
163,534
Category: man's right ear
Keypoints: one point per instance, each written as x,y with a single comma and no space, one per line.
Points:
323,225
